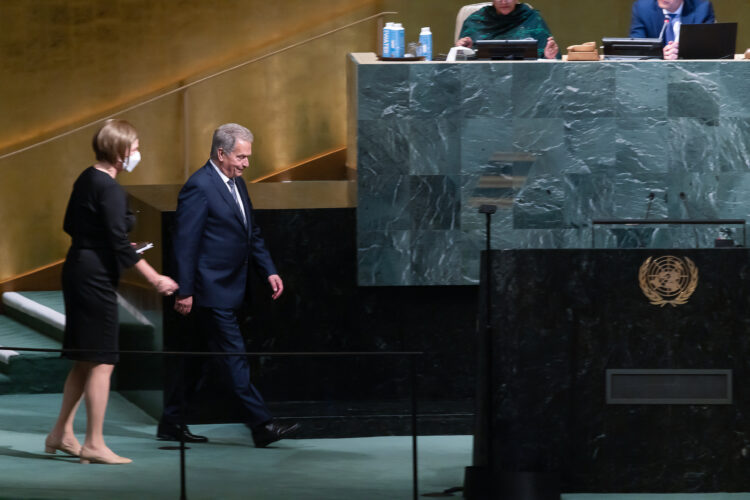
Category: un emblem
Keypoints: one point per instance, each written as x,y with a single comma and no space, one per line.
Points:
668,280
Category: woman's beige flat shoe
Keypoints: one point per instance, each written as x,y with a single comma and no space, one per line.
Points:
73,450
87,458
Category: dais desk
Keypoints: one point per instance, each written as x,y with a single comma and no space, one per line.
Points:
553,144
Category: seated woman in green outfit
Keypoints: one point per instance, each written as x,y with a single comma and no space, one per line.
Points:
508,20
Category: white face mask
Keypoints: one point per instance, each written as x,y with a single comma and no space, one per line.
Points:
131,161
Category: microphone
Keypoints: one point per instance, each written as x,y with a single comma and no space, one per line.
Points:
650,201
663,29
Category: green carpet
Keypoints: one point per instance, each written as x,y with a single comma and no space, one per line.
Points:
229,466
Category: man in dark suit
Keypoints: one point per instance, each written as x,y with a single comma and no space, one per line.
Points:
215,242
663,18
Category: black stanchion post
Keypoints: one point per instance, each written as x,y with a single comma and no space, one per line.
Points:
183,488
413,368
488,210
478,478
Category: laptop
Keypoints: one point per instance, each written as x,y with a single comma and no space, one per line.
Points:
708,41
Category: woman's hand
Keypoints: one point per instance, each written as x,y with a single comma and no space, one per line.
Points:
166,285
551,50
465,42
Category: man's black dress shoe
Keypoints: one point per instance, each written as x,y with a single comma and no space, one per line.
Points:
265,434
172,432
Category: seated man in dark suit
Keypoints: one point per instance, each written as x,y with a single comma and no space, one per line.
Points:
650,19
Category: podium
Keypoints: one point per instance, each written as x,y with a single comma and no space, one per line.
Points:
621,370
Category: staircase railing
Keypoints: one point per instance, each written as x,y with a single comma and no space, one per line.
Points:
183,88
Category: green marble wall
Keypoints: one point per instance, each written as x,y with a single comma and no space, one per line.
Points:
555,145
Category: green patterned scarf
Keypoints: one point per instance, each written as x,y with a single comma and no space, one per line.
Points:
523,22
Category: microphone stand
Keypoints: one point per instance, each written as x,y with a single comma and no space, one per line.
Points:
478,479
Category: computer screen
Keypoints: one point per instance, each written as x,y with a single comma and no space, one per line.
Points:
506,50
708,41
632,48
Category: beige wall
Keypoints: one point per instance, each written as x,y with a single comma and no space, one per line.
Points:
68,62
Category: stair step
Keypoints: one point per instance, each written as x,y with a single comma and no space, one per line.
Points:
37,319
14,333
53,300
42,311
30,372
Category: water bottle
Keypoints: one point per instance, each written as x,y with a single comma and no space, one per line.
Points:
425,43
387,30
397,40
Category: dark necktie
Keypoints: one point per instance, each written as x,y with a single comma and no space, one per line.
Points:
670,36
236,197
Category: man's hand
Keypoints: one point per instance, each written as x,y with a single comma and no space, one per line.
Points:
276,285
671,51
551,49
183,304
465,42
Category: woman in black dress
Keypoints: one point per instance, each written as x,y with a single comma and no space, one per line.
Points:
98,220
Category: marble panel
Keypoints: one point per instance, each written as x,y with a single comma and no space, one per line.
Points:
383,147
434,202
692,90
588,90
641,145
733,144
631,196
588,197
734,88
536,91
693,145
383,91
538,135
486,91
641,89
385,203
731,196
591,145
434,146
434,90
482,141
437,257
540,203
384,258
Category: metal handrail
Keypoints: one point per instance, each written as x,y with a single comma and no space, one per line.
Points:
685,222
192,84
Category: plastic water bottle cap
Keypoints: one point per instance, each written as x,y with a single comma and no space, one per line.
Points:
425,31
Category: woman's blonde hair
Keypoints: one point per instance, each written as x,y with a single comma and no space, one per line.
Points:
112,142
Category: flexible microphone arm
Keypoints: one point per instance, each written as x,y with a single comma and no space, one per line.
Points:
663,29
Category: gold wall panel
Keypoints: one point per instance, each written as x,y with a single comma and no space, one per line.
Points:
68,62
